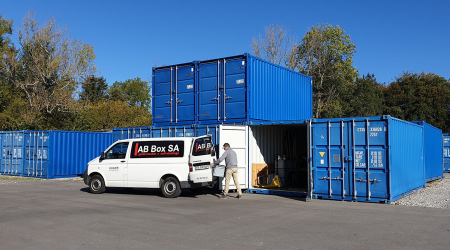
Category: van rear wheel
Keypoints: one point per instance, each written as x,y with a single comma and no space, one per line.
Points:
170,187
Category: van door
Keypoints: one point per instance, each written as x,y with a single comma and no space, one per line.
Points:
237,137
200,159
114,165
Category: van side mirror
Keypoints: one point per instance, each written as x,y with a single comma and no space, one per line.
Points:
102,156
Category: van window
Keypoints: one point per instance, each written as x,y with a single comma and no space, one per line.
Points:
157,149
203,146
118,151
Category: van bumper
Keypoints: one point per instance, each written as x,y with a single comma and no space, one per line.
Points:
190,184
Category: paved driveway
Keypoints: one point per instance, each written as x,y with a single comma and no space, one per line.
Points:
64,215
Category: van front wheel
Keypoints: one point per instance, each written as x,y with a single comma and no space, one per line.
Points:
97,184
171,187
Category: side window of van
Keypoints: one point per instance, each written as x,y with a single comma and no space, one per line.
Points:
118,151
203,146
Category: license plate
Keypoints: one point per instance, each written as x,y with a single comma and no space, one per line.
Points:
202,167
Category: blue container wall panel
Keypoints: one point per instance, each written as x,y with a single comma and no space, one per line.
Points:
12,153
277,93
433,155
354,159
407,166
131,133
57,154
82,148
173,131
446,151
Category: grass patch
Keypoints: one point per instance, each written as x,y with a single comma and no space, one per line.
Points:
17,178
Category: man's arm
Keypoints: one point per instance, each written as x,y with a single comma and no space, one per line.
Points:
224,155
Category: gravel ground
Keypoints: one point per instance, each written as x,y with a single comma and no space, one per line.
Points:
11,180
436,195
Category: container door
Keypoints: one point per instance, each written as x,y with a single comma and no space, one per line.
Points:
36,154
330,154
237,137
369,153
200,160
12,153
222,90
175,95
446,145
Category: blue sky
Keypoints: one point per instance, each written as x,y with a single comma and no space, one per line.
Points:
129,36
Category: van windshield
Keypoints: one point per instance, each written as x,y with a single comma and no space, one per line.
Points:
203,146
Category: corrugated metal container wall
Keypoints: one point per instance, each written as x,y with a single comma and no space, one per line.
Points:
131,133
12,153
433,155
277,93
173,131
57,154
446,149
375,159
233,90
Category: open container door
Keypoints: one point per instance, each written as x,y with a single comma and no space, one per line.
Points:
200,159
237,137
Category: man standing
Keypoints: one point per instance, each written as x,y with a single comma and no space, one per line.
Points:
231,169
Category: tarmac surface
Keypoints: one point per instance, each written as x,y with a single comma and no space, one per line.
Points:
64,215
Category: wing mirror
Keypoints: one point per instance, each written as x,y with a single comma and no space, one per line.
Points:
102,156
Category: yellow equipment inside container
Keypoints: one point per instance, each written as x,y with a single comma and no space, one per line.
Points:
276,183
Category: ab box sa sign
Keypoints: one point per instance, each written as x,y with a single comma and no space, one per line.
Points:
157,149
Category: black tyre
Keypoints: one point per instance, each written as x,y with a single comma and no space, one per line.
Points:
197,190
97,184
170,187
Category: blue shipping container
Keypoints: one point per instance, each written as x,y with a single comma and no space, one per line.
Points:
233,90
131,133
433,155
12,153
57,154
375,159
446,149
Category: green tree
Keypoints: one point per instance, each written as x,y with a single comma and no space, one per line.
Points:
419,97
364,98
94,89
109,114
133,91
326,54
49,68
11,99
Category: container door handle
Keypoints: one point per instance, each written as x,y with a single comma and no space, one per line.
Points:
169,102
180,101
215,99
228,98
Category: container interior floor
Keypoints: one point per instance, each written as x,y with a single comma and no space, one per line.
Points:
279,150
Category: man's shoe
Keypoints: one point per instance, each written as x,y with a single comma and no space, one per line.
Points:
239,196
222,197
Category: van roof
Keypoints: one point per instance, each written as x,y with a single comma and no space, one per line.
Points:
161,139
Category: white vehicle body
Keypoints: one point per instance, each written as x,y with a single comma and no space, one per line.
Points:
147,163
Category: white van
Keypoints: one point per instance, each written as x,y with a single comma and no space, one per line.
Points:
166,163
